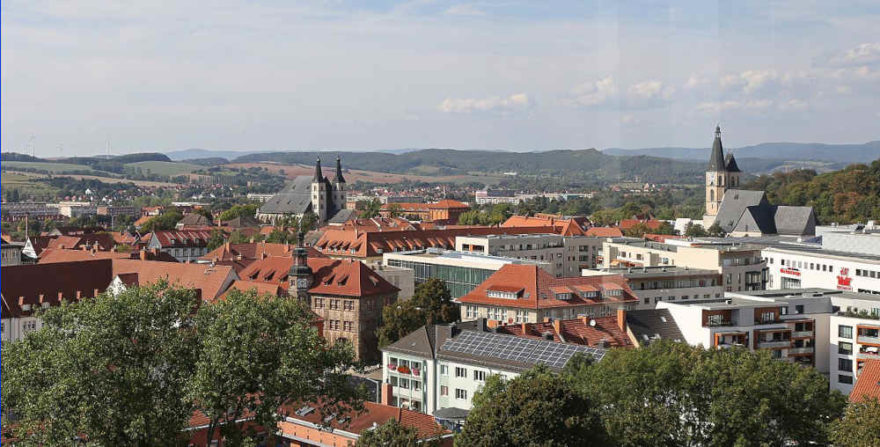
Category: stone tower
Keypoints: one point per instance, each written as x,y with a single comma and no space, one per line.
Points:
721,175
339,192
320,194
300,276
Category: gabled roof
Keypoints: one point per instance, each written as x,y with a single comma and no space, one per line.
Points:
372,416
242,222
540,289
562,226
649,325
194,220
577,331
783,220
331,276
730,163
239,256
296,198
868,383
25,284
54,255
180,238
733,205
448,204
379,223
652,224
342,216
210,280
419,343
262,288
604,232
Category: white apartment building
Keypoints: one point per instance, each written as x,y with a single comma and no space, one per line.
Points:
804,267
566,255
652,285
741,266
438,369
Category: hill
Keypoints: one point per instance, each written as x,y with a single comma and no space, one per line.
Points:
837,153
585,163
849,195
195,154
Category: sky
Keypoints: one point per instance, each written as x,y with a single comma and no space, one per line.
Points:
165,75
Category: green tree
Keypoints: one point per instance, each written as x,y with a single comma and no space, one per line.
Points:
673,394
248,210
389,434
164,221
431,304
394,210
259,354
216,240
715,230
692,230
859,427
114,368
307,222
537,408
369,208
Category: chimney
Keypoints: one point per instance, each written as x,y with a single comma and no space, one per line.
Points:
41,298
556,326
546,319
621,318
20,301
584,319
78,295
525,328
226,246
385,393
143,255
96,293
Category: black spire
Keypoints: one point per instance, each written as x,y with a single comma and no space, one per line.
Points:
319,176
716,159
730,163
339,178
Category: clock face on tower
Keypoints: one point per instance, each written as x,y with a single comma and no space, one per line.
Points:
302,283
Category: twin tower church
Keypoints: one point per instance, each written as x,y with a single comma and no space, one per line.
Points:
316,194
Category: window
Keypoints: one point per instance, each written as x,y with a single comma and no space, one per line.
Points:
444,390
799,309
843,378
479,375
845,348
319,303
348,305
334,304
403,383
444,370
461,394
844,332
844,365
347,326
460,372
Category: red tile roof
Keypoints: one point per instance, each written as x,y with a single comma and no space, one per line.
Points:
262,288
210,281
604,232
379,224
26,284
54,255
448,204
375,414
239,256
564,227
575,331
342,277
182,238
652,224
362,244
540,289
868,383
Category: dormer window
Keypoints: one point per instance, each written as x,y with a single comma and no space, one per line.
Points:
504,292
563,296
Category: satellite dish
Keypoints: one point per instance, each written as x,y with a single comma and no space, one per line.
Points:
592,322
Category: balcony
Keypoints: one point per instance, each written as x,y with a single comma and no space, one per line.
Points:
804,350
719,323
773,344
802,334
865,339
868,355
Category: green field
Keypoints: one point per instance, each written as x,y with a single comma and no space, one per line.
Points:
165,167
59,168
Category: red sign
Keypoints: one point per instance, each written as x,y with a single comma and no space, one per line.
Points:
844,282
792,272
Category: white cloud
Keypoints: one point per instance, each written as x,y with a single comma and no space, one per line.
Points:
864,54
696,81
593,93
721,106
512,103
651,92
464,9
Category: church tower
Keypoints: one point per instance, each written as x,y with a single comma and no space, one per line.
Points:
319,193
300,275
339,192
717,178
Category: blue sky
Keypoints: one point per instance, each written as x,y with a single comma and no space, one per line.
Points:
515,75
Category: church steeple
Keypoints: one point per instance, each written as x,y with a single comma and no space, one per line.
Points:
716,158
339,178
319,176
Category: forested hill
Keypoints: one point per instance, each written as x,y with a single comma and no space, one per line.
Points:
586,162
846,196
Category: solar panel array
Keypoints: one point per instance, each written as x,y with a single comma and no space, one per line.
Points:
517,349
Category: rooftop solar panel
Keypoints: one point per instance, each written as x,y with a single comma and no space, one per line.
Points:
523,350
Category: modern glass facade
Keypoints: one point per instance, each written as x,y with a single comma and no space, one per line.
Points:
459,280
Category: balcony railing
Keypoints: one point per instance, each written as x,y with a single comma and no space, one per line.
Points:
801,334
867,339
869,355
719,323
774,344
805,350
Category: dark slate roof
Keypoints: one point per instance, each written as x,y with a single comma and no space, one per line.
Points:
194,220
296,198
730,163
319,176
419,343
339,178
784,220
653,324
716,159
734,204
795,220
343,216
242,222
